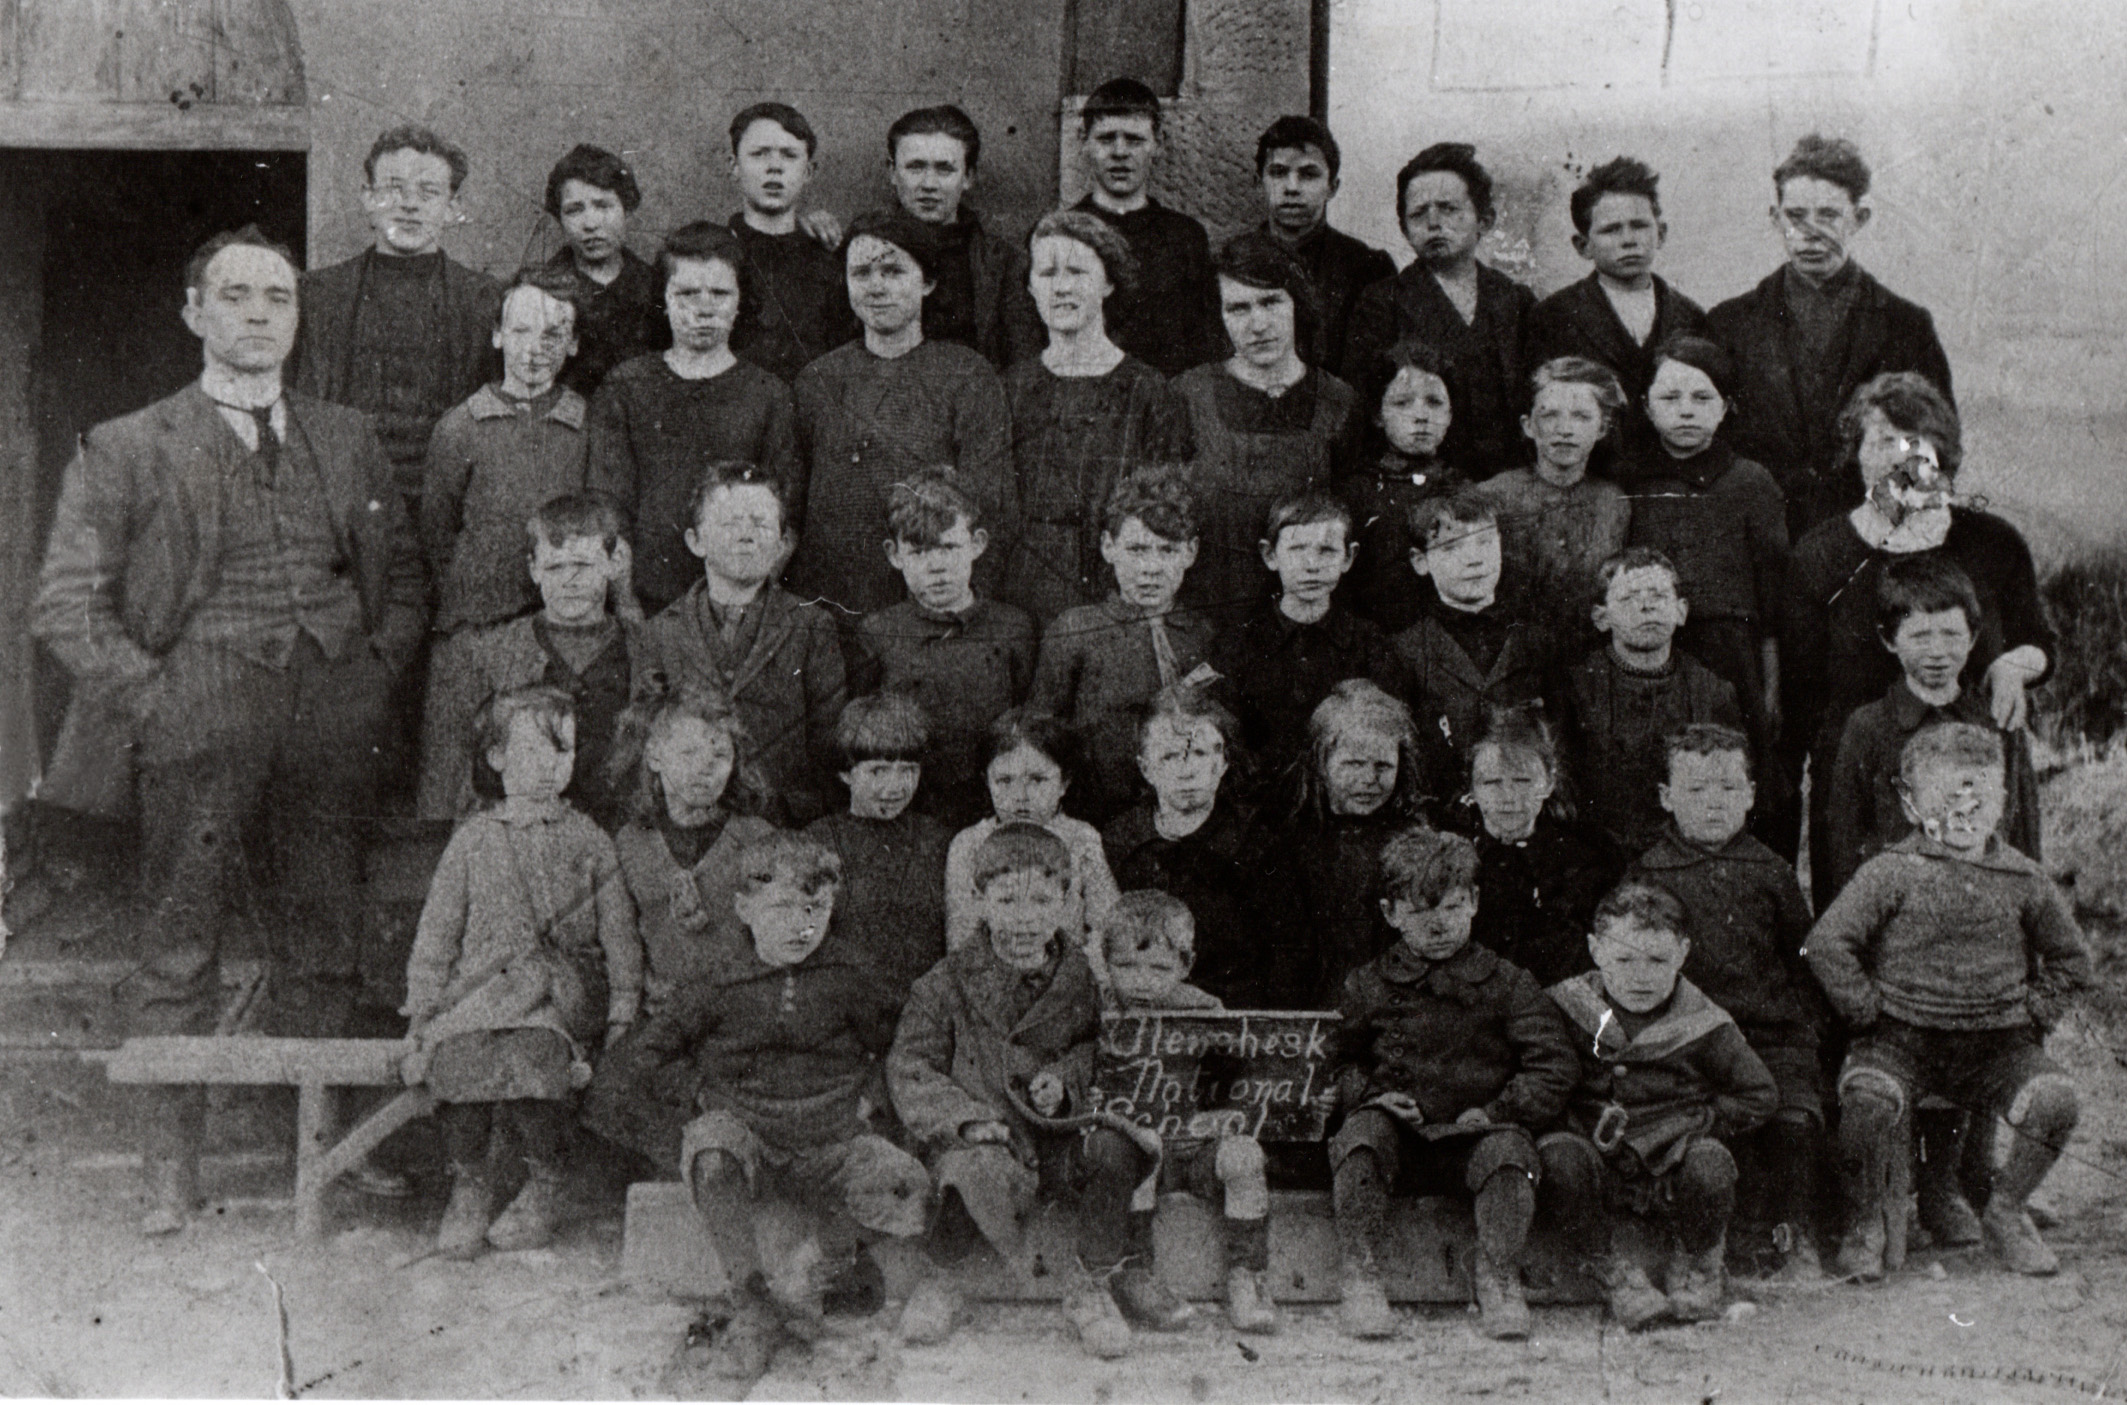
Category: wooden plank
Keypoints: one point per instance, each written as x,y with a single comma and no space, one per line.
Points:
258,57
315,1113
368,1134
255,1059
144,126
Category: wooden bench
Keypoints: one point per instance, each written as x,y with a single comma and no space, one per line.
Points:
316,1068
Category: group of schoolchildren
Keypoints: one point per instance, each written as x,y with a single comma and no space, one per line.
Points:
828,912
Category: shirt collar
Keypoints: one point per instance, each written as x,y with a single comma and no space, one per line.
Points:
489,403
224,387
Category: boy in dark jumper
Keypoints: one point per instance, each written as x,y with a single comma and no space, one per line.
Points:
893,858
1746,919
1928,615
1414,407
1449,1059
1666,1081
1622,702
967,660
1286,656
755,1087
1952,956
799,309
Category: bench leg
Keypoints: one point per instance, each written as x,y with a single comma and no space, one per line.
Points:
314,1109
320,1161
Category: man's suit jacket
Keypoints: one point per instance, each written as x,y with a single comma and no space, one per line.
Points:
136,547
1766,421
1578,320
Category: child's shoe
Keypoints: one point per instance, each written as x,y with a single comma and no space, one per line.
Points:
798,1291
1861,1250
1945,1214
1147,1302
928,1317
1799,1264
463,1233
1365,1312
1248,1304
1504,1308
528,1221
1634,1302
1698,1283
2010,1231
735,1343
1091,1309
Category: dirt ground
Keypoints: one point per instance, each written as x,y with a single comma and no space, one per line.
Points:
88,1308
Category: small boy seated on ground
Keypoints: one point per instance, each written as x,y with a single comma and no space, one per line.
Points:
1467,656
1951,955
1666,1081
1101,665
754,1087
1450,1058
1283,659
893,858
1148,944
1927,615
578,559
1746,919
990,1066
1541,875
1413,408
1623,701
965,659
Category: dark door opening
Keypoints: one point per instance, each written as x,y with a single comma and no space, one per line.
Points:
119,226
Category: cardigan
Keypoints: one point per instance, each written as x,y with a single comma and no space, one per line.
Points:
1617,721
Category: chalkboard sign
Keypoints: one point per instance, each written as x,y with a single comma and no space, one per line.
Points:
1193,1073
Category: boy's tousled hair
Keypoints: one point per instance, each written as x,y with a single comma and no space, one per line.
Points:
783,115
1949,743
1255,259
1703,739
1119,97
1922,583
1832,159
1518,731
944,120
899,228
250,236
1458,158
1116,257
654,716
1431,518
1912,404
1020,847
1634,558
1702,354
887,726
1045,732
594,166
424,140
1422,865
1579,370
809,865
588,513
1293,133
557,283
491,727
1185,704
1621,175
1304,510
719,474
1643,904
1148,918
923,507
1157,495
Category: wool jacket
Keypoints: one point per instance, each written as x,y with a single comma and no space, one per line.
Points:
1214,870
1616,723
1170,317
1488,353
1382,584
1580,320
691,933
1099,670
1274,671
136,547
1746,919
966,670
784,675
1093,889
1864,812
798,309
975,1032
615,322
1769,423
1722,523
1686,1072
1552,541
1536,897
1341,268
492,463
891,906
1474,1030
1944,942
1451,696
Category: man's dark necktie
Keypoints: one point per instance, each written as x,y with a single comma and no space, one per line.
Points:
269,446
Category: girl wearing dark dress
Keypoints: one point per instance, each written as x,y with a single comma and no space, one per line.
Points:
1083,413
1408,386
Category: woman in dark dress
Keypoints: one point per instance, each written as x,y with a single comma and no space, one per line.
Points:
1266,424
1083,413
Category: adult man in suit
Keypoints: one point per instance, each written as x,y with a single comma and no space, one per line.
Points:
1815,331
234,585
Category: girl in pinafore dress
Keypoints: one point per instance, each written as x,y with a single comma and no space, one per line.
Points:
526,939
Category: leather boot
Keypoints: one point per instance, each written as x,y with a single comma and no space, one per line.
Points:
733,1341
1949,1219
1147,1302
1634,1302
173,1192
1248,1304
1798,1255
1090,1309
927,1318
528,1222
1698,1283
2047,1115
463,1233
1365,1312
1500,1299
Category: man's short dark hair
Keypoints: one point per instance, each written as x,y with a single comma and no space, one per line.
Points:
1923,583
422,140
1257,260
1157,495
1644,905
944,120
250,236
900,229
1458,158
1621,175
1702,354
1305,510
1422,865
783,115
1296,134
1832,159
1119,97
1634,558
1703,739
1429,519
595,166
720,474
